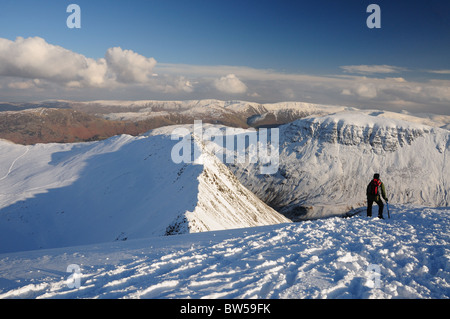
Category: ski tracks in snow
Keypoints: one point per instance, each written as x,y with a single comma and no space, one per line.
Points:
328,258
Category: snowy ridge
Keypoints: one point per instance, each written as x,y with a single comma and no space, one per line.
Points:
219,192
326,163
329,258
55,195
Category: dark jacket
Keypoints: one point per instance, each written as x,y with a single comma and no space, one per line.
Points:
376,197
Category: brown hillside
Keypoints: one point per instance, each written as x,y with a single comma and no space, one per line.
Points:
50,125
59,126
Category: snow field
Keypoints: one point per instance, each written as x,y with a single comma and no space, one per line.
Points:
328,258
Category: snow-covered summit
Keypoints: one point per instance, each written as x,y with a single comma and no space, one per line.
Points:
353,128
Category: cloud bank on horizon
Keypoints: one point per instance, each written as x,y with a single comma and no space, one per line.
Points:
33,69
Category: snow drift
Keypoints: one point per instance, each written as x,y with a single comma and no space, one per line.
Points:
55,195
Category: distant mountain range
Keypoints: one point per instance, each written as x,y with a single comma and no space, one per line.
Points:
70,121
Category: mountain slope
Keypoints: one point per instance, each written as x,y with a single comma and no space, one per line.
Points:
359,257
326,163
55,195
53,125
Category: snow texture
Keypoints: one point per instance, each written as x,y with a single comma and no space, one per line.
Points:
406,256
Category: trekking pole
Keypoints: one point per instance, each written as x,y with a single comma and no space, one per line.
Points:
387,206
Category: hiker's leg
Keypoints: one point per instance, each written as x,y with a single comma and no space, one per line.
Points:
380,208
369,207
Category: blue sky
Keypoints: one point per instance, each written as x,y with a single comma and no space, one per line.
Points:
248,45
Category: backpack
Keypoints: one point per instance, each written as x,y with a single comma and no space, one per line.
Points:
374,187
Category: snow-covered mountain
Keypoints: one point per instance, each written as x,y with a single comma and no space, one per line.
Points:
129,187
326,163
117,197
55,195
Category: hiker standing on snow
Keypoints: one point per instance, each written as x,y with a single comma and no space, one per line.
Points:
374,190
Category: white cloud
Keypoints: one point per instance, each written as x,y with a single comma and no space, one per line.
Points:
128,66
230,84
94,74
44,71
24,85
372,69
34,58
184,85
254,95
368,91
439,71
171,85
